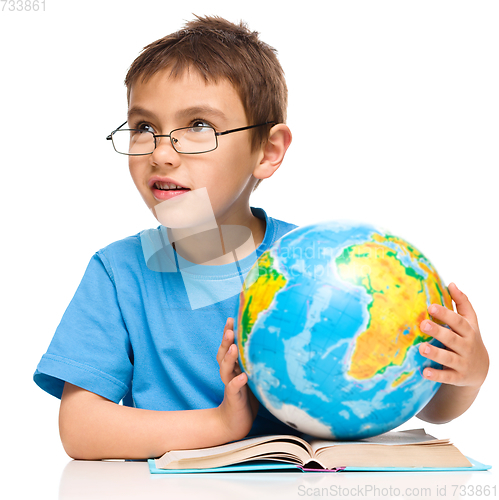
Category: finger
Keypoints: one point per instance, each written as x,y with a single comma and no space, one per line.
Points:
459,324
229,368
227,365
233,358
228,337
445,376
240,380
463,305
227,341
443,357
444,335
222,351
236,384
229,324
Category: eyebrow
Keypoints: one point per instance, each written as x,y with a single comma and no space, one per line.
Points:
200,110
184,113
136,110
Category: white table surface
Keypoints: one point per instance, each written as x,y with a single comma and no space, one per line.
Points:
127,480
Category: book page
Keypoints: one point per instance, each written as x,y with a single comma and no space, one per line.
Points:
251,445
409,437
378,455
285,451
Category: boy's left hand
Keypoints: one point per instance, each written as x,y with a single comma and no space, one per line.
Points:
465,360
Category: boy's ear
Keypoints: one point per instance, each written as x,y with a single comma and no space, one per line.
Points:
273,152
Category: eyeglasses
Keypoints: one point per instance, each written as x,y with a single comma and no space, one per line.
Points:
185,140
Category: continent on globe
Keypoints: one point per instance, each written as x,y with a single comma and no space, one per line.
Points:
384,276
328,329
268,282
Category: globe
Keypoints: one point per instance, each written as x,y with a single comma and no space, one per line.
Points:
327,329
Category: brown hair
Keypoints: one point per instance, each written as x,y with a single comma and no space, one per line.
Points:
219,49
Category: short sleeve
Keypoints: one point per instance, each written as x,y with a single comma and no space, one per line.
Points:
91,347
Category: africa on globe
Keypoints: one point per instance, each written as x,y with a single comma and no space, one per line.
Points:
328,329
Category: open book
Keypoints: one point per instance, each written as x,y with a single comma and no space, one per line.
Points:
413,448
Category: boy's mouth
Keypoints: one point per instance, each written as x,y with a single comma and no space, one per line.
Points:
167,186
162,190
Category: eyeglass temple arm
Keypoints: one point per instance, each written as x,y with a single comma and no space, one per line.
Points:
242,128
109,136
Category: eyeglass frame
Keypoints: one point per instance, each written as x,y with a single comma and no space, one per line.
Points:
217,134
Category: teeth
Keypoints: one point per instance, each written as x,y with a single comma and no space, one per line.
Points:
167,185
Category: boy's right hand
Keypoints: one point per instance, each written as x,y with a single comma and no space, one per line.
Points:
229,368
239,406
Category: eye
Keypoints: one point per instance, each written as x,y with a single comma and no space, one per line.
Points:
199,125
143,127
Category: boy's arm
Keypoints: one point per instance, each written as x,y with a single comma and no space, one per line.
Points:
465,360
94,428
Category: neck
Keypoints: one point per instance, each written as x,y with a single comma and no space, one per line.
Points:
220,244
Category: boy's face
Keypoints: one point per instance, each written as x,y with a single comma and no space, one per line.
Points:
162,104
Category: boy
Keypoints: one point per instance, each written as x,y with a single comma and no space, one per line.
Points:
206,113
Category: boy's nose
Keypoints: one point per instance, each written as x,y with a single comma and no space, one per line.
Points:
164,152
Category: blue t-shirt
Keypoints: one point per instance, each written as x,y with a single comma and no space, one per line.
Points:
146,329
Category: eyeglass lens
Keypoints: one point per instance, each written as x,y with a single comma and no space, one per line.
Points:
185,140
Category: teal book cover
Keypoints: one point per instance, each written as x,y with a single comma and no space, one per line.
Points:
272,466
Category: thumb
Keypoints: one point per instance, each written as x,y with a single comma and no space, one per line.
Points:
236,384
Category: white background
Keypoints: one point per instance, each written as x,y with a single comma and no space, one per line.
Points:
406,93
